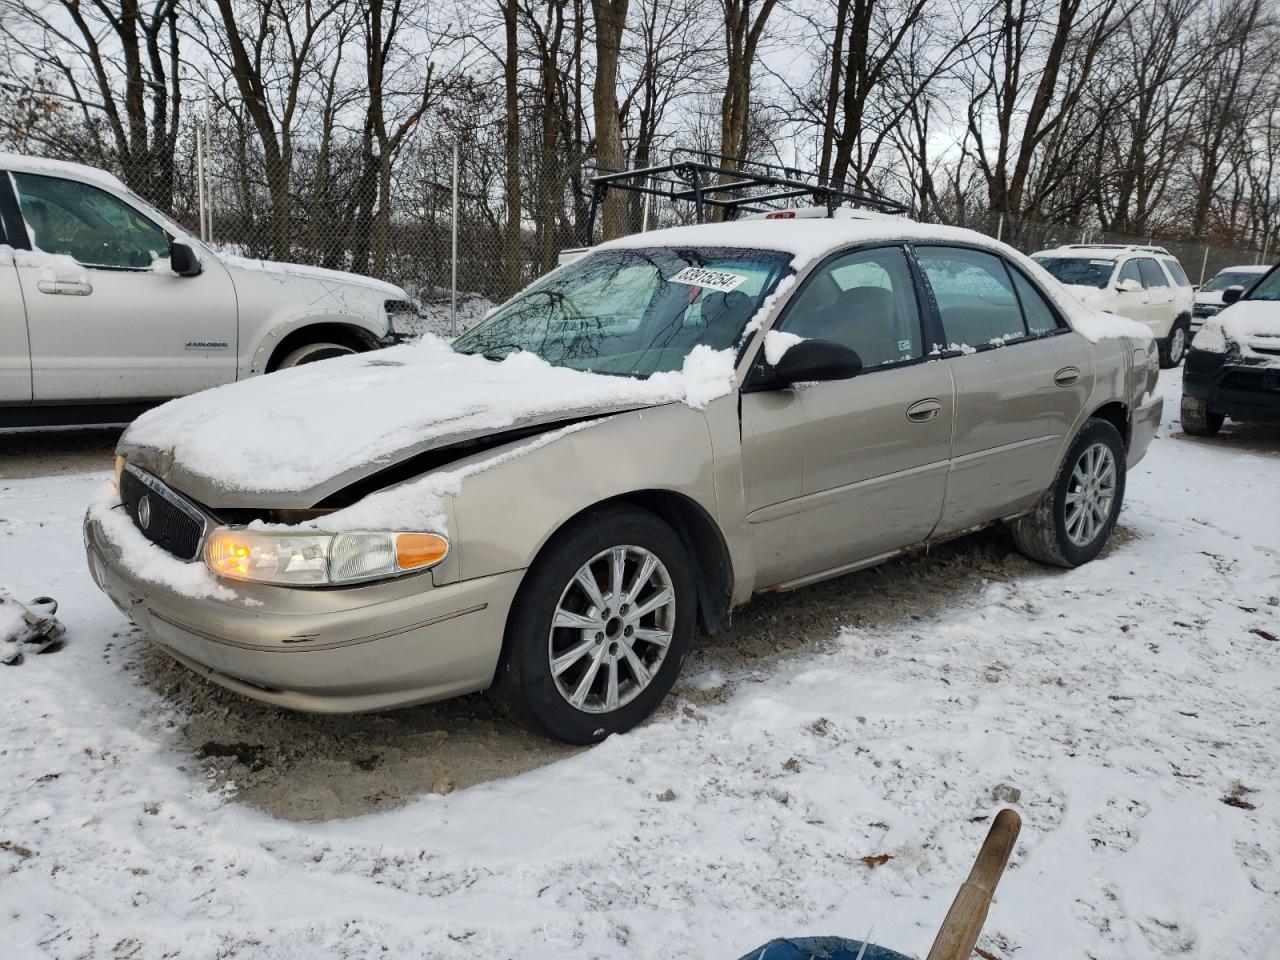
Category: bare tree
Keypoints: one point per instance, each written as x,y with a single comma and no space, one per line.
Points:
119,64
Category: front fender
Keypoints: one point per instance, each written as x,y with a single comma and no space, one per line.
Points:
255,359
502,516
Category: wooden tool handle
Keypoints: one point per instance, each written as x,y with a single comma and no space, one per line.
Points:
959,931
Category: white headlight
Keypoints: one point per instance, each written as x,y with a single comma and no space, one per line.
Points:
319,559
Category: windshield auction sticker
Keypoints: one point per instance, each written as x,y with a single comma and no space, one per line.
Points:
710,279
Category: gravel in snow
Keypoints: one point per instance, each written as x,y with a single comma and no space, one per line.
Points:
1131,707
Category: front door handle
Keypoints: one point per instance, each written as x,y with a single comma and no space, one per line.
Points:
74,288
922,411
1066,376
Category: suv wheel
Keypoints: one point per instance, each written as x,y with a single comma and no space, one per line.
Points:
1174,347
1073,522
1198,420
600,627
311,352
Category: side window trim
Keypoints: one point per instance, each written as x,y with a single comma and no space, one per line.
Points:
818,271
938,332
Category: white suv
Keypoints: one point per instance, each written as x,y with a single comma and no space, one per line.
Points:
1142,283
108,307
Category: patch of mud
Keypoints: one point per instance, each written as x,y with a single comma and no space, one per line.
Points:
307,767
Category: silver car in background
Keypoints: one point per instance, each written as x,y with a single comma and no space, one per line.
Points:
874,387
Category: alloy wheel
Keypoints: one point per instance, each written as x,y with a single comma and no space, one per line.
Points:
1091,494
1177,345
611,629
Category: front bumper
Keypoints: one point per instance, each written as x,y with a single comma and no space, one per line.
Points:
339,650
1243,391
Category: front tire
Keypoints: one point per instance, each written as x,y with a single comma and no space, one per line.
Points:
1173,348
311,352
1198,420
601,625
1073,522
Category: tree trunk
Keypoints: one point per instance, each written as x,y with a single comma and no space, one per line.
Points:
611,18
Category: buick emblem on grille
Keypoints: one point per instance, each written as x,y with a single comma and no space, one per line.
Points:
144,512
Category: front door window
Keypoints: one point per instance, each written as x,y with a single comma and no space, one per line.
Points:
89,224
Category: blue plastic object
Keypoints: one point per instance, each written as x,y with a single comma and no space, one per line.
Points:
820,948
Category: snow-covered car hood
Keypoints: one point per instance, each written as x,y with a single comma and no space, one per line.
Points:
291,438
1211,297
1250,324
300,271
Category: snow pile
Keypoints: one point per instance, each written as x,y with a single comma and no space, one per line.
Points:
27,628
776,345
810,239
297,428
147,561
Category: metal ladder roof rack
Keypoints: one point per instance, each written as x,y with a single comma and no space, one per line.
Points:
718,180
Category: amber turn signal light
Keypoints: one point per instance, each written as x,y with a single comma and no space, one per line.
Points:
414,550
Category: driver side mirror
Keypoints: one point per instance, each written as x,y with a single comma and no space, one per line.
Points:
1232,294
183,260
814,361
1128,285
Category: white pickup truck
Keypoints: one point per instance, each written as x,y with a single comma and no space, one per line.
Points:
108,307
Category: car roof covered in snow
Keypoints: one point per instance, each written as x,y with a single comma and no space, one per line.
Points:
21,163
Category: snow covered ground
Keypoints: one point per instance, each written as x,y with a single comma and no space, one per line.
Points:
1133,705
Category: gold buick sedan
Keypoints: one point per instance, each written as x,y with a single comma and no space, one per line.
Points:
614,459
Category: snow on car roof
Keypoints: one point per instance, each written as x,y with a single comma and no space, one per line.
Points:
21,163
808,240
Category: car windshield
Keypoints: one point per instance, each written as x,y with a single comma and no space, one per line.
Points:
1268,287
1078,271
1226,279
632,312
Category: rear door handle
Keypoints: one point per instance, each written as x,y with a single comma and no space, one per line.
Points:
74,288
1066,376
922,411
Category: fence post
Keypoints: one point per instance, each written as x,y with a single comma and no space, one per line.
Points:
1266,242
204,233
1204,263
453,282
1000,227
644,220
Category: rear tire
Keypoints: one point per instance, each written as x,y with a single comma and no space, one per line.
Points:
311,352
1198,420
1074,520
1173,348
615,661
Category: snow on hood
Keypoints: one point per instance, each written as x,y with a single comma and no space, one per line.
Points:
808,240
293,430
1243,322
302,271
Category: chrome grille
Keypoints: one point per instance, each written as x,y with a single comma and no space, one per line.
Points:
167,519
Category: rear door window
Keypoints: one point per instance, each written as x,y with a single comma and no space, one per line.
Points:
975,296
1039,315
1175,270
1152,275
